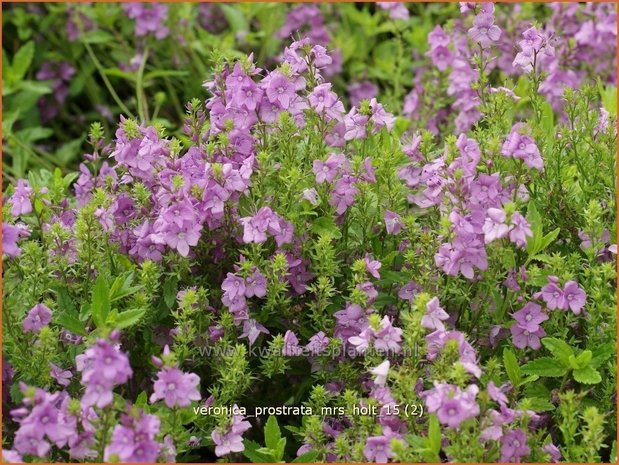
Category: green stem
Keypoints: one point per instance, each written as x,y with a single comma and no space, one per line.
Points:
139,88
106,81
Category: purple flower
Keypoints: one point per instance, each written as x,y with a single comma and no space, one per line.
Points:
396,10
377,449
280,89
434,316
364,90
40,315
62,377
372,266
10,236
317,343
388,337
520,230
233,286
291,344
230,439
451,405
575,297
255,285
530,317
20,200
553,295
134,439
393,222
494,226
484,31
522,337
182,237
381,372
149,18
252,329
514,446
523,147
176,388
328,170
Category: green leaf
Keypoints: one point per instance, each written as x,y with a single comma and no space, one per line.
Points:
308,457
71,322
164,73
434,435
548,239
325,226
21,62
540,404
602,353
97,37
251,452
511,366
100,307
128,318
544,366
121,287
235,18
272,433
169,291
587,375
535,221
584,358
561,350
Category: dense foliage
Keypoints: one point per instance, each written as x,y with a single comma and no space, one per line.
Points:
374,233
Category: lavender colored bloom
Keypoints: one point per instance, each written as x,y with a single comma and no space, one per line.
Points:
575,297
451,405
317,343
230,439
255,285
434,316
530,317
377,449
134,439
149,18
280,89
523,338
523,147
520,230
311,195
393,222
233,286
494,226
291,344
252,329
372,266
10,236
397,11
553,451
553,295
514,446
343,195
62,377
328,170
484,31
388,337
176,388
20,200
11,456
364,90
40,315
381,372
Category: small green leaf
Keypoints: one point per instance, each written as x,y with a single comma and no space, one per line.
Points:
544,366
21,62
308,457
511,366
272,433
169,291
434,435
100,307
540,405
561,350
325,226
602,353
584,358
128,318
587,375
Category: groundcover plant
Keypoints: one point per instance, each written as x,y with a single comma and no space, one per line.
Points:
313,264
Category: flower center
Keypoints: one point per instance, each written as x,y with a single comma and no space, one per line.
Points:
528,317
171,387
